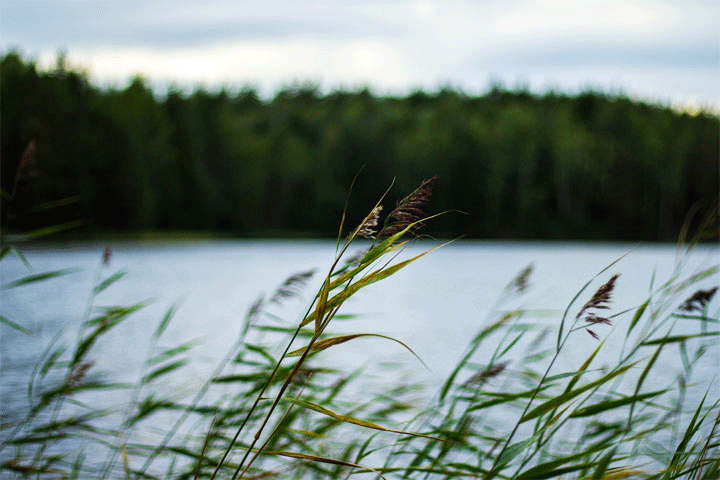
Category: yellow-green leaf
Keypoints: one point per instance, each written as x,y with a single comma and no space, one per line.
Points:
324,304
352,420
315,458
332,341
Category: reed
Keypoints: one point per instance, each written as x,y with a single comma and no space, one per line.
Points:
272,408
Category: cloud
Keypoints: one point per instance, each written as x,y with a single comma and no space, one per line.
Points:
652,48
267,65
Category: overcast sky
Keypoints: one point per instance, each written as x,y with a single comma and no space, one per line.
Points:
663,51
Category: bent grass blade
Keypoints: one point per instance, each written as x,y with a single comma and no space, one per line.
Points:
326,343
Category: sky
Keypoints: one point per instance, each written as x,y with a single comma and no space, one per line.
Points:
662,51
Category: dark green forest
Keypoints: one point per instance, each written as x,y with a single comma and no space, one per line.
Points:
516,164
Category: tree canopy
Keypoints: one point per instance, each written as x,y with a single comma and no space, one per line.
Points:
519,165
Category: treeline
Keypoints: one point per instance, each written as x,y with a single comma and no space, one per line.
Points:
517,164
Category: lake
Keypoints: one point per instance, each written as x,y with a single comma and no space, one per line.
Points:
435,305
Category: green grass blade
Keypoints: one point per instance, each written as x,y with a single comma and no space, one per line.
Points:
171,352
55,203
642,378
322,306
677,339
166,320
506,397
316,458
638,314
613,404
708,272
39,277
690,431
147,407
603,465
102,324
14,325
109,281
514,450
378,250
566,397
17,253
164,370
554,473
583,367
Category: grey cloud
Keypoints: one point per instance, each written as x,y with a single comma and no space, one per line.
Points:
577,55
41,24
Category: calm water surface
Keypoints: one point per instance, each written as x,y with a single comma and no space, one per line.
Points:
434,305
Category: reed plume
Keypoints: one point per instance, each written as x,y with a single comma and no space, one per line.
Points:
698,300
367,229
522,281
78,374
107,255
408,210
483,376
600,299
292,286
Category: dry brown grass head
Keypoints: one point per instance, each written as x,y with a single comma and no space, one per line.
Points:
522,281
698,300
600,299
409,210
490,372
292,286
107,255
78,374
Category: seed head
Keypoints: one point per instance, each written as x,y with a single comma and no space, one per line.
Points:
601,299
408,210
592,334
107,255
521,282
594,319
490,372
698,300
367,229
292,286
78,374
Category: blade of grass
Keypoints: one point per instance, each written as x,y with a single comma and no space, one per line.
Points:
17,253
14,325
352,420
566,397
39,278
109,281
600,407
316,458
330,342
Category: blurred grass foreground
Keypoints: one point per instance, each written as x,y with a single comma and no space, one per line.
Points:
274,408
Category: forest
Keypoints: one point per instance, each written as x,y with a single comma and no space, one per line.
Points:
510,163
